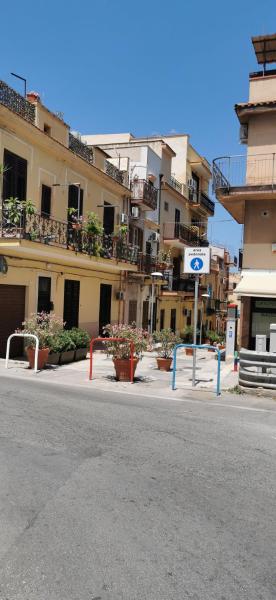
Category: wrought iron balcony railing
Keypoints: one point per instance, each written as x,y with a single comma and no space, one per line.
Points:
115,173
183,233
207,203
81,149
244,171
201,199
175,184
52,232
143,192
17,103
148,263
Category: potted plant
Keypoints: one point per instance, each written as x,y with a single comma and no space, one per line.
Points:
66,346
188,337
94,230
76,221
214,339
54,354
45,326
16,210
167,340
81,340
120,351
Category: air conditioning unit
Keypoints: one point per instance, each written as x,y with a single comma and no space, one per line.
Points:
120,295
124,219
244,133
155,236
135,212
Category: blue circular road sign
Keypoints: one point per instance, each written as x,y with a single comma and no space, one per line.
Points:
196,263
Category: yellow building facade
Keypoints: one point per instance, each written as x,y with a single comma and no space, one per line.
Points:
46,264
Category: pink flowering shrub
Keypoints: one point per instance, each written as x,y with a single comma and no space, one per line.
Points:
44,325
121,350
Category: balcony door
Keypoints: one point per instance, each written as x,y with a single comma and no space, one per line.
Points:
73,193
105,306
108,218
71,303
15,176
44,294
176,222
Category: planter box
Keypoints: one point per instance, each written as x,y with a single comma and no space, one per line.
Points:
67,357
81,353
53,359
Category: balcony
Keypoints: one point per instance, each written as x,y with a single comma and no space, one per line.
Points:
81,149
115,173
241,177
52,232
144,194
179,235
18,104
200,199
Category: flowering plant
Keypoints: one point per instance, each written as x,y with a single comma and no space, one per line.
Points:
44,325
167,340
121,350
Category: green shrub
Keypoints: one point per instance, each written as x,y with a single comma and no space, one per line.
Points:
62,342
187,335
167,340
80,337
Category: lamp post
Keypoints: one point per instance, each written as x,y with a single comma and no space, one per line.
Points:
154,275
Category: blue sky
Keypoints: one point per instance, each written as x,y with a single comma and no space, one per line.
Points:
148,67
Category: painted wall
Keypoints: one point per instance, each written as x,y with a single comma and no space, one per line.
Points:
262,88
259,234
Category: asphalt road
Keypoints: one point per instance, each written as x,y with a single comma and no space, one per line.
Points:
127,498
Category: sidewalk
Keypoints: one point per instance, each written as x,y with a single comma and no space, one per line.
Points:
148,378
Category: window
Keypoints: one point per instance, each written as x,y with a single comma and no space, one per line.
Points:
46,200
162,318
47,129
166,206
15,177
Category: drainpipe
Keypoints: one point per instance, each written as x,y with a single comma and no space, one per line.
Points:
160,193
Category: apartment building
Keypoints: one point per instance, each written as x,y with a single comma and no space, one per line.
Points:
169,168
48,262
245,185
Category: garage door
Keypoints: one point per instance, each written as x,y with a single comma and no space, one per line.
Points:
12,313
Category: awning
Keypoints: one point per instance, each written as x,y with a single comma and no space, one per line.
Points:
257,283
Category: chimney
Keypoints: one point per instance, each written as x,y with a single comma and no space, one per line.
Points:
33,97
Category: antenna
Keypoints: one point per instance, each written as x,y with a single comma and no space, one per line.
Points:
22,79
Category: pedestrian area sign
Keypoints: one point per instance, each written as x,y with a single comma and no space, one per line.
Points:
197,260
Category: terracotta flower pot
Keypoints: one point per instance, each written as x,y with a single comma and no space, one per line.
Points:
76,226
42,357
164,364
189,351
122,368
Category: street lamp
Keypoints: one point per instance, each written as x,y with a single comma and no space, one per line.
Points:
201,317
154,275
78,185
